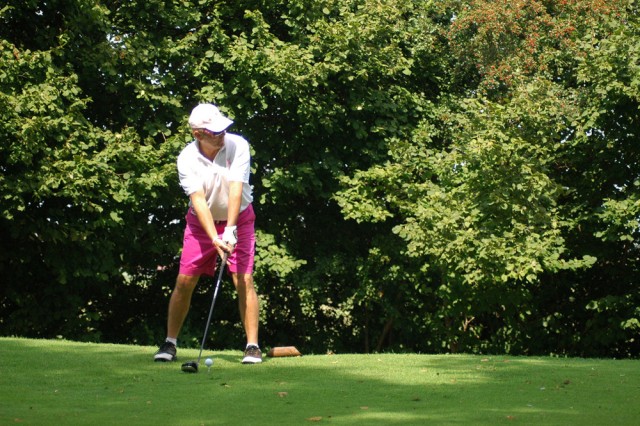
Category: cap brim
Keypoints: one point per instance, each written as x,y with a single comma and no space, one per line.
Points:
222,123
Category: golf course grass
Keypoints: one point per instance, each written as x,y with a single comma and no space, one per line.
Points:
54,382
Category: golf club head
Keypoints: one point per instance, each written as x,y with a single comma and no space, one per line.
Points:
190,367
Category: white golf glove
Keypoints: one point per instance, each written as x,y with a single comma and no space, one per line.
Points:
230,235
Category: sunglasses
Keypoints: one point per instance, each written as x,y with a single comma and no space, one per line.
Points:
212,133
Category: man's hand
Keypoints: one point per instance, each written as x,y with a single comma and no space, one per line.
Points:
228,242
222,247
230,235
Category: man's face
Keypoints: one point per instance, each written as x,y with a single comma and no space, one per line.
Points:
209,137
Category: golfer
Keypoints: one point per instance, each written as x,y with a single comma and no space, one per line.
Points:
214,173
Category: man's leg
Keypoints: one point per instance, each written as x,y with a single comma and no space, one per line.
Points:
249,307
179,303
248,304
178,309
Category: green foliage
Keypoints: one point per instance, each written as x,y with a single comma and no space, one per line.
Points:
82,202
428,176
486,190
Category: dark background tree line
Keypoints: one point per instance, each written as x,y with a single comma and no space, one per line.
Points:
429,176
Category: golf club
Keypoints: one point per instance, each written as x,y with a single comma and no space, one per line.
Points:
192,366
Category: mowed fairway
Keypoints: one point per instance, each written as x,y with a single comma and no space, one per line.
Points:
45,382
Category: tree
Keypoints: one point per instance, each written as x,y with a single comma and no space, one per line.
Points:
132,71
85,176
497,192
429,176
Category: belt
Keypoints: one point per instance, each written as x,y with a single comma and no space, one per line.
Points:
217,222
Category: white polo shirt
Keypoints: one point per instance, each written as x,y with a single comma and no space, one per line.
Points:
231,164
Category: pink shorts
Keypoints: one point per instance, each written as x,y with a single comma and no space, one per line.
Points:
199,254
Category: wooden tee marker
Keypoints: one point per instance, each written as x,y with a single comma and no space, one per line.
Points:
281,351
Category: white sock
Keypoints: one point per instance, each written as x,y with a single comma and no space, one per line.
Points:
252,344
172,340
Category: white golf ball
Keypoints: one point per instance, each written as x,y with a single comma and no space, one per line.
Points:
208,362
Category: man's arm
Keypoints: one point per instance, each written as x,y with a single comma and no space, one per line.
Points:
199,204
230,235
235,199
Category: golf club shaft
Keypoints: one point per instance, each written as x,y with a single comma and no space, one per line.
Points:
213,302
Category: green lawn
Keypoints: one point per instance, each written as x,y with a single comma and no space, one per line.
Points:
45,382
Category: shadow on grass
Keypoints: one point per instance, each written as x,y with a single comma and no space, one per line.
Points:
54,382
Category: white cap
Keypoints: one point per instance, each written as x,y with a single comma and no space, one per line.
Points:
208,116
